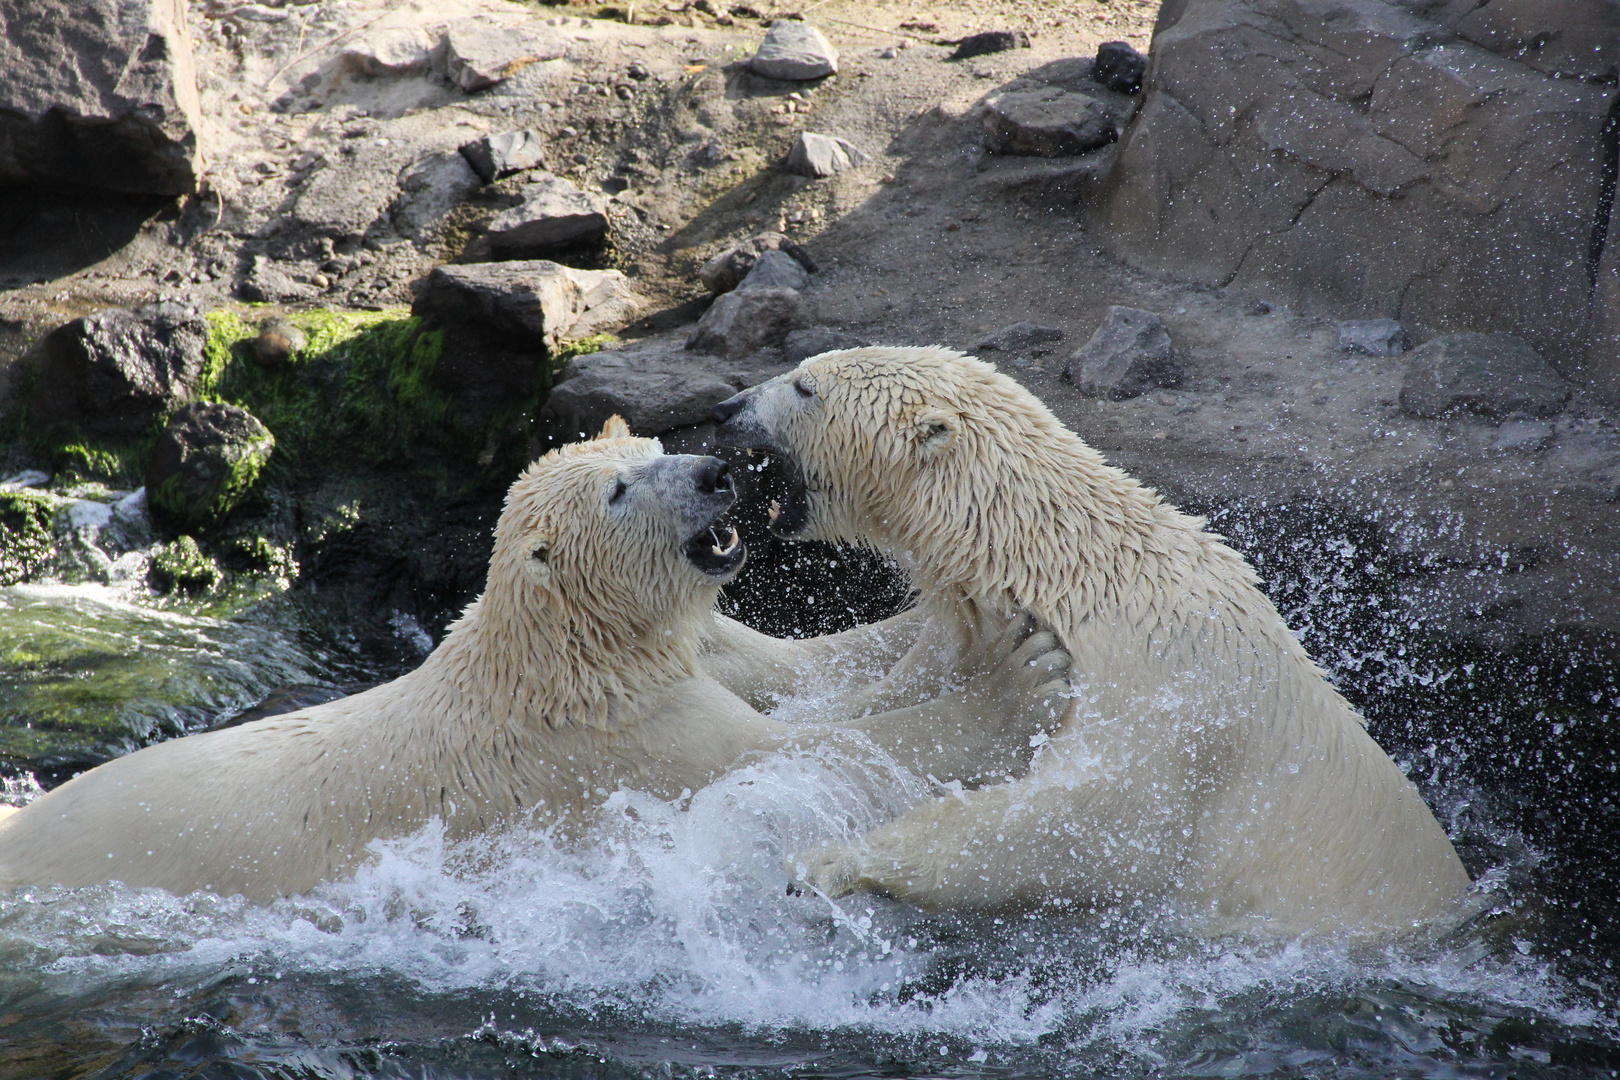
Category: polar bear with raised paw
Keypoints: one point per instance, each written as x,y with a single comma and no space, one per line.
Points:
575,673
1206,771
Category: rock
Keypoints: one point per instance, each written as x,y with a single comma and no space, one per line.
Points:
278,339
28,478
776,270
741,323
821,155
655,389
1048,122
208,457
1119,67
99,93
726,270
181,566
553,214
990,41
1575,39
1355,155
532,304
801,345
1489,374
267,283
1129,354
112,374
1523,434
394,52
796,51
1019,336
475,54
1375,337
495,156
429,190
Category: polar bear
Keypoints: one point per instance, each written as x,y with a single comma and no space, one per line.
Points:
574,673
1206,771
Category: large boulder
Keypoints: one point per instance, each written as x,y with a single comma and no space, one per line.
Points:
796,51
1442,163
552,215
527,303
726,270
655,388
744,321
208,457
112,374
1494,375
98,93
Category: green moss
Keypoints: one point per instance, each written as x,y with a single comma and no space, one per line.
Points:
182,567
26,543
583,347
75,458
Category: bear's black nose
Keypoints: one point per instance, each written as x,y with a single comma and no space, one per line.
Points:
728,408
713,476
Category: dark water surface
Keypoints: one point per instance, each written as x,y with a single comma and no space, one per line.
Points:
669,948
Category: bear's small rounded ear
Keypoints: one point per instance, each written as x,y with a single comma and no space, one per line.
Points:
615,428
537,561
935,429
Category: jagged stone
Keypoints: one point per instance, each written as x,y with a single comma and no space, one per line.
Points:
989,41
1490,374
495,156
656,389
1375,337
392,52
1129,355
1019,336
527,303
776,270
1523,435
113,373
553,214
207,459
739,323
726,270
267,283
477,53
429,190
1119,67
795,51
99,93
1048,122
801,345
822,155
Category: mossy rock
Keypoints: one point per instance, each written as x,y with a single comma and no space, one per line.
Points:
182,567
207,459
26,541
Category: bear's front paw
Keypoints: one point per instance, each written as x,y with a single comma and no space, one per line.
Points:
832,870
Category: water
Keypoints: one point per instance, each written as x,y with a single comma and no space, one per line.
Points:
666,945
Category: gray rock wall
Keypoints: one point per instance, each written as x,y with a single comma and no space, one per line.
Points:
98,93
1371,159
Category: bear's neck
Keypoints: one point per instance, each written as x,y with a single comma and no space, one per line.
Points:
1058,533
521,663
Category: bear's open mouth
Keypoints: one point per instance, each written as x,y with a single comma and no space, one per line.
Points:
717,550
791,513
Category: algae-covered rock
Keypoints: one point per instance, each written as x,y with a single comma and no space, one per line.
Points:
182,567
26,544
208,457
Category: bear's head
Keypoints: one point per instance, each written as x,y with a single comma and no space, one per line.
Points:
615,536
880,436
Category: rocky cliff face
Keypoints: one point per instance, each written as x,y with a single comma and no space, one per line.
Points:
1445,163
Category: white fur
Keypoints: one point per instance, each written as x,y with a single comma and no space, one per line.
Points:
575,674
1207,769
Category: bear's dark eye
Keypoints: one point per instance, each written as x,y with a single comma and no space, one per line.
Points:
805,387
619,489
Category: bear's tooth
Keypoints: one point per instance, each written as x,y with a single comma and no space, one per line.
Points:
776,510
